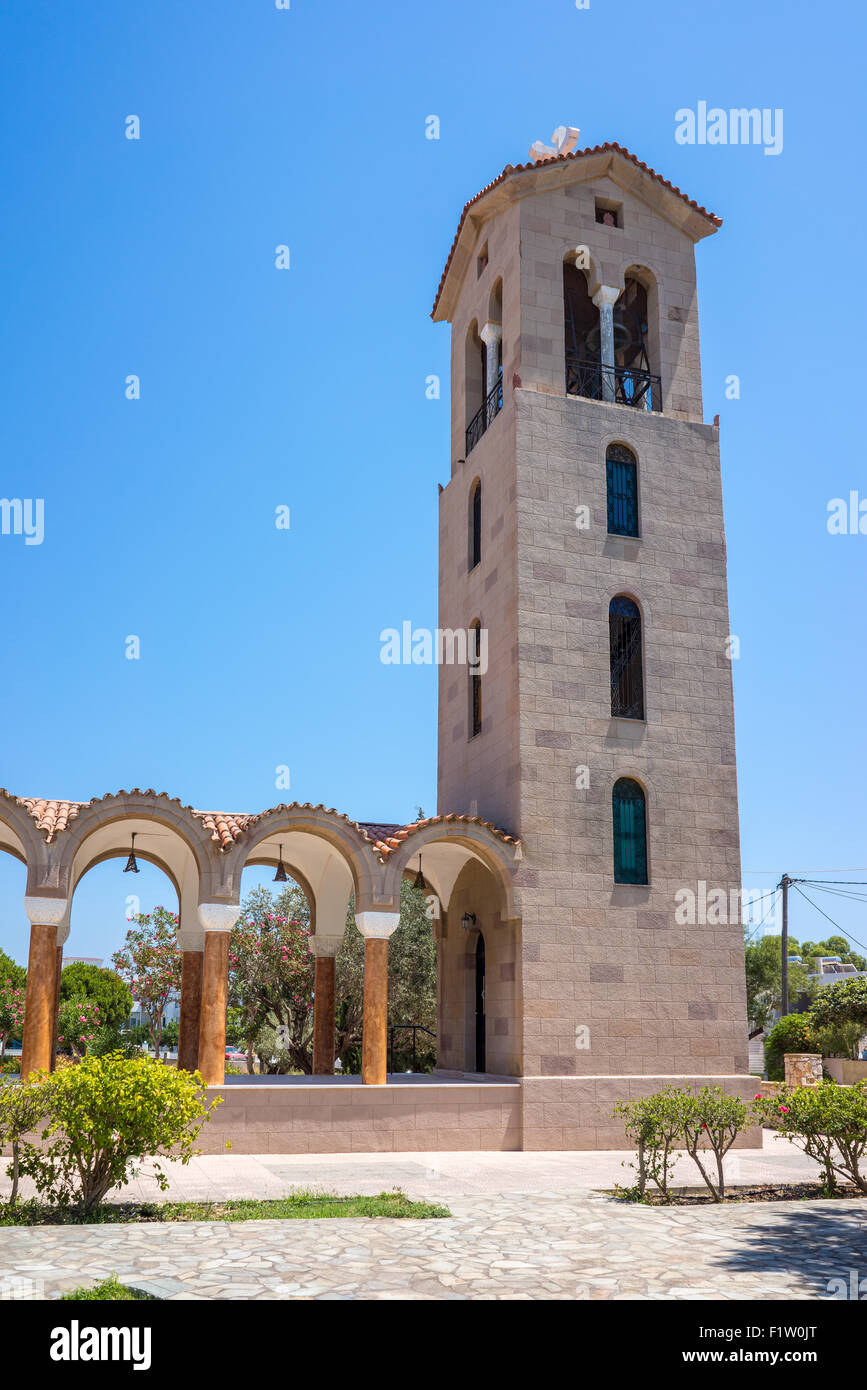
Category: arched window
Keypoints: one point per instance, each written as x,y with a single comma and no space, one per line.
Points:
630,832
474,656
621,471
627,684
475,523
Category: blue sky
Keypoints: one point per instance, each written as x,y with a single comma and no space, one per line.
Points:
305,388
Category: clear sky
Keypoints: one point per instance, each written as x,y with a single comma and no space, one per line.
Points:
306,388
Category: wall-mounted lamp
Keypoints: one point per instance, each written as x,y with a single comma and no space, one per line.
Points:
468,920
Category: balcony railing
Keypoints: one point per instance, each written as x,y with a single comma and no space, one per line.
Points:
623,385
484,416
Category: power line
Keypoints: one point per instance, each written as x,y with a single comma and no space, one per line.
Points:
831,919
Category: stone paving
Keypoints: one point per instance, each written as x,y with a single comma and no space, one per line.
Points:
438,1175
523,1226
554,1246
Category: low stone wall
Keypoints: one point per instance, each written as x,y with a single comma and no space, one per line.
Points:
845,1071
363,1119
576,1112
534,1113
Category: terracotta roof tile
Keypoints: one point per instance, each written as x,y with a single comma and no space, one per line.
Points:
51,816
227,827
563,159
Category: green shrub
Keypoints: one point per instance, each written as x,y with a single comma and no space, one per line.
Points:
22,1107
712,1123
827,1122
109,1038
106,1112
793,1033
79,980
654,1124
11,1067
842,1008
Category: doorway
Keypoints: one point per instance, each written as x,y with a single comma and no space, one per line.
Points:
480,1004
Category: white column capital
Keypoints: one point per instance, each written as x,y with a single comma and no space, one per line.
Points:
376,926
324,945
218,916
491,334
45,912
606,296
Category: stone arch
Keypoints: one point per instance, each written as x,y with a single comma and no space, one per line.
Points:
19,835
167,834
460,840
329,852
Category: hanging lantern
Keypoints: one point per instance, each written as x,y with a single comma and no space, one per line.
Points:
419,880
281,875
131,866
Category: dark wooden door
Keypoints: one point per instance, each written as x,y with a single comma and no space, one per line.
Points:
480,1004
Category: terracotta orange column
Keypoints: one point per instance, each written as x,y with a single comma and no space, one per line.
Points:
376,928
217,920
45,915
191,1009
325,950
56,1016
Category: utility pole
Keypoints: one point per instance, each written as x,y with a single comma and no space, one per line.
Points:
784,944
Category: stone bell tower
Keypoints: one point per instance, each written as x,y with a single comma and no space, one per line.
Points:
582,531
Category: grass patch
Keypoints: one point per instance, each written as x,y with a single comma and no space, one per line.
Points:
110,1290
302,1205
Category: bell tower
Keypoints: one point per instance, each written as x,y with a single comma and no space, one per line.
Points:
581,531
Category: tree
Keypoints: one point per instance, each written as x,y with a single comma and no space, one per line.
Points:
271,975
104,987
834,946
77,1024
412,973
764,973
11,1013
793,1033
15,975
150,963
842,1007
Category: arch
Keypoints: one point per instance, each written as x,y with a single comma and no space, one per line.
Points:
629,823
621,488
19,835
475,524
581,328
626,658
266,859
474,678
325,848
637,314
448,844
474,372
495,301
168,835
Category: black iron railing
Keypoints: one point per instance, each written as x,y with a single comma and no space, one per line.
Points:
623,385
402,1027
484,416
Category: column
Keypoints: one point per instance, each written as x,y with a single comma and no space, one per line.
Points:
217,920
191,1008
605,299
325,950
490,336
376,928
58,967
45,916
